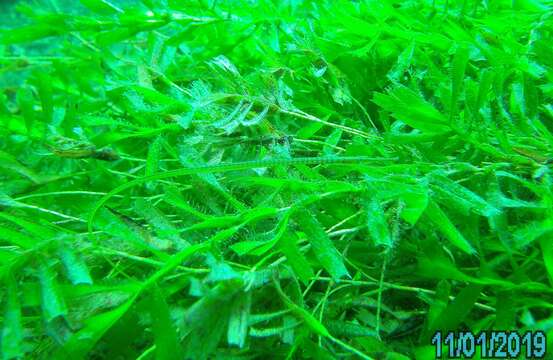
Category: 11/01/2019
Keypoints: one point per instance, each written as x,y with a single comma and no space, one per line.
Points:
490,344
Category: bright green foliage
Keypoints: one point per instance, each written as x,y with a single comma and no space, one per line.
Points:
322,246
286,179
12,332
376,223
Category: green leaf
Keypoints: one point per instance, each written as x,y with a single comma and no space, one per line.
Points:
309,130
207,319
438,305
447,228
25,102
234,118
16,238
409,107
403,62
324,249
220,271
256,119
163,227
456,312
77,271
238,321
12,329
314,324
38,230
547,256
9,162
154,157
53,304
165,333
331,142
126,230
289,247
458,67
459,197
29,33
45,91
101,6
173,197
531,232
81,342
377,224
416,201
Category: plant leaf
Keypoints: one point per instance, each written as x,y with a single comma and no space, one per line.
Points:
322,246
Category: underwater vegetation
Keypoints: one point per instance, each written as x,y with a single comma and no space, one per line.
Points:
272,179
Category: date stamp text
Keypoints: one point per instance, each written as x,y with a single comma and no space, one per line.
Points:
490,344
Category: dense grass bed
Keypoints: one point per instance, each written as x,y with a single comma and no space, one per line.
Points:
273,179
